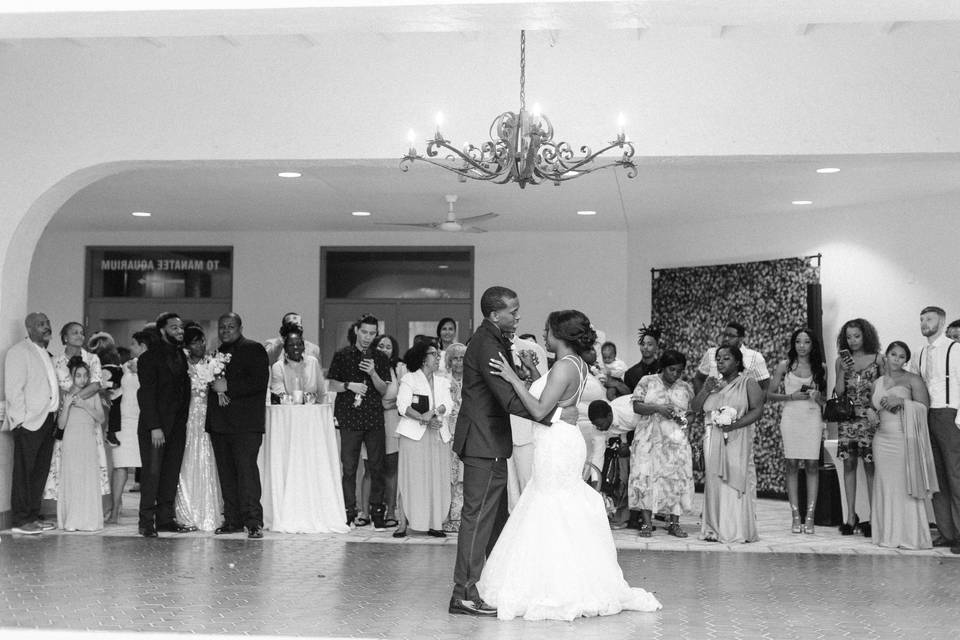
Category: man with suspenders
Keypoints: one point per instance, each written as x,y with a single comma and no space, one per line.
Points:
940,370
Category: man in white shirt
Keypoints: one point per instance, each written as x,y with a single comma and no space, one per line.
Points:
943,384
520,463
754,365
33,397
289,322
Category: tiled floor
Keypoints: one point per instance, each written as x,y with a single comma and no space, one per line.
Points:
785,586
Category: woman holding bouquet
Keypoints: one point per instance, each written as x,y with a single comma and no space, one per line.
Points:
731,405
198,503
661,465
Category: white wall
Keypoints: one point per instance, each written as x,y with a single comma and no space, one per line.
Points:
883,263
549,271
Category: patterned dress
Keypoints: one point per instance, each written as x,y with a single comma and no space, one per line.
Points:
456,465
856,436
661,467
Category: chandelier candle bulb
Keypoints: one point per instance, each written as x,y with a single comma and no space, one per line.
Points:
439,121
412,139
621,125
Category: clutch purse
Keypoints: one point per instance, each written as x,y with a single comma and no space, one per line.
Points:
421,403
838,409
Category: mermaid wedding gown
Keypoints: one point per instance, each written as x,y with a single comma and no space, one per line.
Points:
556,559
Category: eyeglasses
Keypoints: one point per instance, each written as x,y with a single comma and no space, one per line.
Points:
433,353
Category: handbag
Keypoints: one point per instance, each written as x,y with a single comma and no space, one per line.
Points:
838,409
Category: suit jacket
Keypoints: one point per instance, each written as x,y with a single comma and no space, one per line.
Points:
27,386
416,382
483,425
164,393
248,377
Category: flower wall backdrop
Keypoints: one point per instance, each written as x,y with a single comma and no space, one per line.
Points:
692,304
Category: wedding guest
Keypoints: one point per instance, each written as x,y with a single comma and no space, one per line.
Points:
454,358
731,404
127,455
649,343
423,477
857,367
661,463
274,346
199,502
236,423
102,345
613,367
953,330
164,398
592,390
753,361
72,337
297,373
938,363
388,346
359,375
446,335
530,359
905,470
78,473
33,397
804,378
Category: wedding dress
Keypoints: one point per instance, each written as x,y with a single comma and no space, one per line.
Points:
556,559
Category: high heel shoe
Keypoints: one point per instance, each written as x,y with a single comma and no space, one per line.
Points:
795,527
808,523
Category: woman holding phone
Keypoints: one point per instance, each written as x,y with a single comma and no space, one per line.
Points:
803,374
858,366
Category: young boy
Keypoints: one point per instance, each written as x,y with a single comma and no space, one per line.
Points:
613,367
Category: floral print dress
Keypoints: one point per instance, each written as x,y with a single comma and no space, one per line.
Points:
661,464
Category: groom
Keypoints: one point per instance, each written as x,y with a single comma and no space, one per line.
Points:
483,441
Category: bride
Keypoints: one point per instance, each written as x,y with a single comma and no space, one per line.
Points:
555,559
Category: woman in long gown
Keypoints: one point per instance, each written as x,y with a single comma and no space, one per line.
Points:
904,479
731,405
454,358
199,503
555,558
78,474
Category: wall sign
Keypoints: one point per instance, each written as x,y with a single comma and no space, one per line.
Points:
160,272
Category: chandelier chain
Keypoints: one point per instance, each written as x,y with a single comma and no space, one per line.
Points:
523,69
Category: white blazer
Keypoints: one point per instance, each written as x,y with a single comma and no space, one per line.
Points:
416,382
27,386
522,428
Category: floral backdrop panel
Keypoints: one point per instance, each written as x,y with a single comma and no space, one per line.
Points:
692,304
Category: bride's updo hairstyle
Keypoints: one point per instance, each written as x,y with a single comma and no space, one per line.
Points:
572,328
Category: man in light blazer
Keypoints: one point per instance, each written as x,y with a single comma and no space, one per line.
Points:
33,397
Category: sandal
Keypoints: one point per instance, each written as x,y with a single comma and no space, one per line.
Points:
674,530
400,533
390,523
646,530
361,521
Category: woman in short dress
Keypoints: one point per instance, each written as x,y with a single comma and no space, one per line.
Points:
801,427
858,366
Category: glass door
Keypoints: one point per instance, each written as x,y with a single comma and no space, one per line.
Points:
339,315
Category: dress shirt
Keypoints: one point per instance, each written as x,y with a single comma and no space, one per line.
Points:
754,365
63,371
932,367
287,376
625,419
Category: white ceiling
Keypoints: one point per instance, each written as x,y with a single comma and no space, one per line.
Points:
249,196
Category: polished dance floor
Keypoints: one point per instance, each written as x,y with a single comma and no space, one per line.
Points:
368,585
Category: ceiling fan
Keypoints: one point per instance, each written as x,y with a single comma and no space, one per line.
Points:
452,224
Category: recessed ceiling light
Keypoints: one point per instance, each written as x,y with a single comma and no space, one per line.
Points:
586,213
289,174
828,170
443,266
141,214
802,202
360,214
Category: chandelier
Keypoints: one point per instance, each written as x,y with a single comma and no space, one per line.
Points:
521,149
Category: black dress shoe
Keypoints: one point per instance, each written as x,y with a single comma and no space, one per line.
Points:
846,529
434,533
955,550
471,608
866,529
943,542
148,532
175,527
255,532
227,529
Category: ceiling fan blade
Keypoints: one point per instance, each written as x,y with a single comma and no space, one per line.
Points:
421,225
466,229
485,216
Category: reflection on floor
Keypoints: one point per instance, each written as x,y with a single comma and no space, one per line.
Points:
785,586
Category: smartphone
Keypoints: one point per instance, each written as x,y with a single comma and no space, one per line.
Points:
846,358
805,388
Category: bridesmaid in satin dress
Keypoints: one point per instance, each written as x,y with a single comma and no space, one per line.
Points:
199,502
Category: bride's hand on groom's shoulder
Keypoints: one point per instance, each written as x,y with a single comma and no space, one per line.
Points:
499,366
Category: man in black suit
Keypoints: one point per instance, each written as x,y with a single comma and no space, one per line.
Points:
483,441
235,420
164,398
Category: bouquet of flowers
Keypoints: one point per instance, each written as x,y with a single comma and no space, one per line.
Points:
724,417
218,369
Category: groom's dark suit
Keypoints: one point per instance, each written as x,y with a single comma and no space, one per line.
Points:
484,442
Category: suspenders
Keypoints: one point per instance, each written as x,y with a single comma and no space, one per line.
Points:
952,345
